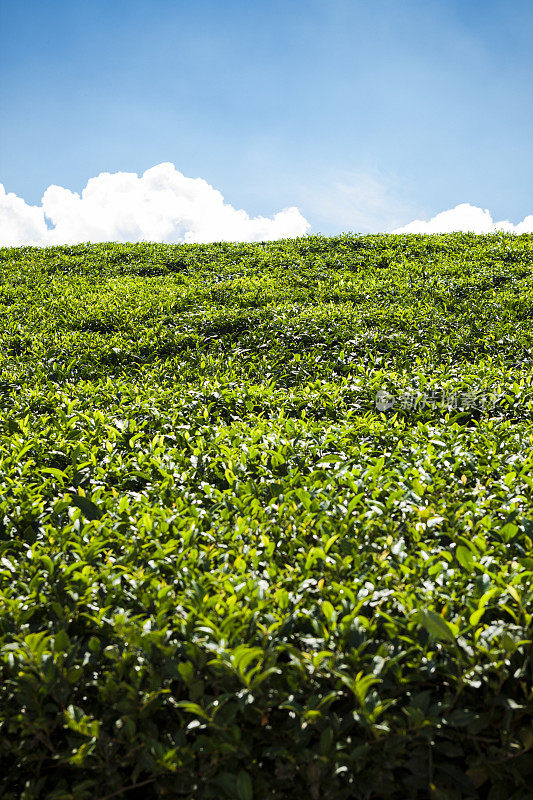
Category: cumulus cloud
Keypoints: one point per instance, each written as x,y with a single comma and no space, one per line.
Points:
466,217
160,206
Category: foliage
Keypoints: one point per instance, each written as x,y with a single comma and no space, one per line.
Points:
224,572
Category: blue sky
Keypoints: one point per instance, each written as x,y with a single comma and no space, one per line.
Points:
364,115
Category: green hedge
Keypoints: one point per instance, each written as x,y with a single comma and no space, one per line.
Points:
224,571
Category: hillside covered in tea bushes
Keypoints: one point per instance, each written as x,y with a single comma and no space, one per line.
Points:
266,520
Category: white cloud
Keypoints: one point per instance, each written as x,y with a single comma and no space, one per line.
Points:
365,201
162,206
19,222
465,217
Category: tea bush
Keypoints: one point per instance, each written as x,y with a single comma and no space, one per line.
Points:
226,570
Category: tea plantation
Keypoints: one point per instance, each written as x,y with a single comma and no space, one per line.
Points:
226,571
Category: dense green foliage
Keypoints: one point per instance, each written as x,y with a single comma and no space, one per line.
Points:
224,572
